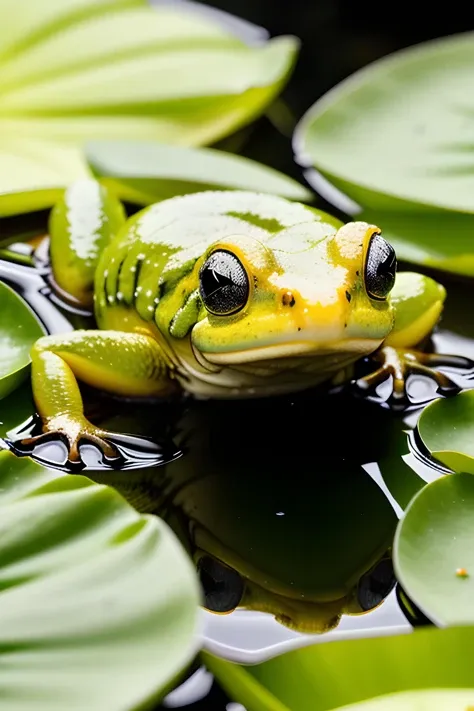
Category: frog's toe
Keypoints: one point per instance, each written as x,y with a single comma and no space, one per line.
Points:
443,359
72,439
367,384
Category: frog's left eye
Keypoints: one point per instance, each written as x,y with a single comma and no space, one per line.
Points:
380,268
222,586
224,284
375,585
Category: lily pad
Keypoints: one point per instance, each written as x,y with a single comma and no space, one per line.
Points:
446,428
397,138
400,128
427,665
144,172
75,70
99,604
19,329
434,550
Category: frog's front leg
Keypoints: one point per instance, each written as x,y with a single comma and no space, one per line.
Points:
418,301
126,364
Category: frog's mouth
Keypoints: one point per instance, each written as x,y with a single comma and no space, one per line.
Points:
345,350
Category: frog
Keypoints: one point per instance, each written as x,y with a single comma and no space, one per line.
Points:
222,294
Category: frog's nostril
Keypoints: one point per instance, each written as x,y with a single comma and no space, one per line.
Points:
288,299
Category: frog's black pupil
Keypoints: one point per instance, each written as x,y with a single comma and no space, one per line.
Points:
224,285
222,586
380,268
375,585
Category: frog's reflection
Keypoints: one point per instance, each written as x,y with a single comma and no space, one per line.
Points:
272,504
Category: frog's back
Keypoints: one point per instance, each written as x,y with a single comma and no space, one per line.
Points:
160,245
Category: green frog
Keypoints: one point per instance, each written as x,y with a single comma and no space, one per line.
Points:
222,294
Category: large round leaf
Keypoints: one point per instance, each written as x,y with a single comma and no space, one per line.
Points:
74,70
446,427
99,605
146,171
429,664
19,329
434,550
396,138
400,128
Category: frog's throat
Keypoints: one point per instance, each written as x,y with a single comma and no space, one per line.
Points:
352,348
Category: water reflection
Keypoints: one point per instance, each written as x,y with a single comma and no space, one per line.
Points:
274,503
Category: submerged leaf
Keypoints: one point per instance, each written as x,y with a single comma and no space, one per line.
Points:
446,428
19,329
434,550
146,171
433,665
119,70
99,605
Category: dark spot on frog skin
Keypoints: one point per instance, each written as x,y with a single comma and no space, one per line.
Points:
357,273
299,328
288,299
348,296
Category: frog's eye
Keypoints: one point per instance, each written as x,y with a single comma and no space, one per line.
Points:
380,268
223,587
375,585
224,284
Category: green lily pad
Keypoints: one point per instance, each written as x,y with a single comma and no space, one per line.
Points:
76,70
397,138
99,605
446,428
401,673
146,171
19,329
434,550
400,128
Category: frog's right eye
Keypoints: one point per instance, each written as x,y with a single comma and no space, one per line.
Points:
222,586
223,284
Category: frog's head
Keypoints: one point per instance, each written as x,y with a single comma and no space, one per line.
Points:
226,589
295,302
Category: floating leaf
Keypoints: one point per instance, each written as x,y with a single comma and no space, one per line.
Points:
446,427
75,70
19,329
434,550
428,665
99,605
400,128
397,138
146,171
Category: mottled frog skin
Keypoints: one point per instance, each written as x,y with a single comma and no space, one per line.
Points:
222,295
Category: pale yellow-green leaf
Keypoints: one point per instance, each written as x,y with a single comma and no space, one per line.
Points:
76,70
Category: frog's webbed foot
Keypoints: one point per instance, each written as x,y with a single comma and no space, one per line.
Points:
72,433
400,363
